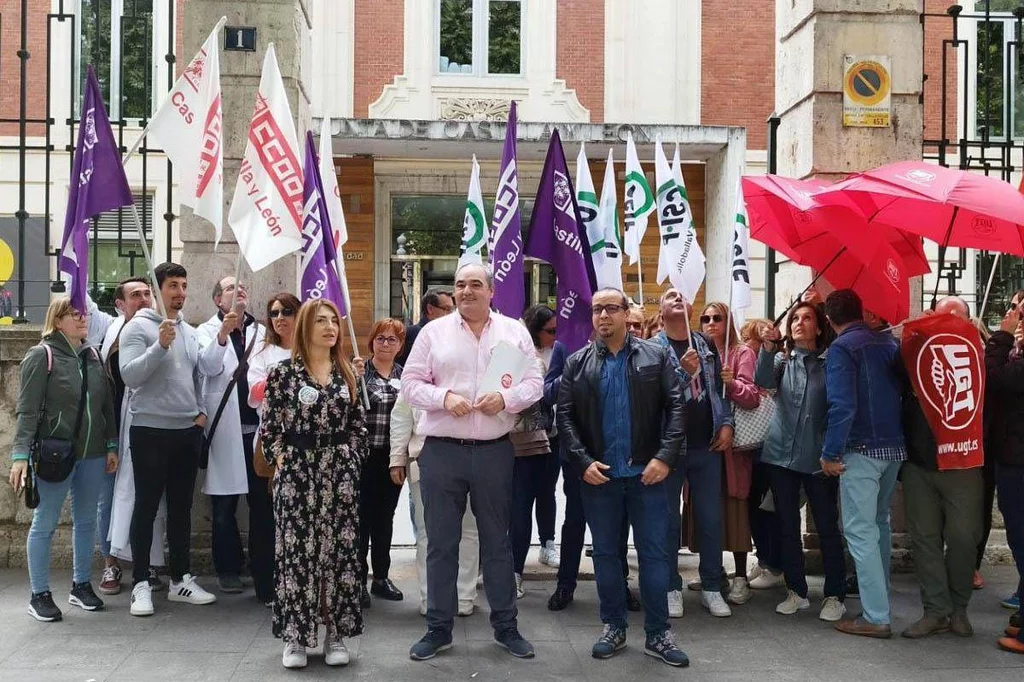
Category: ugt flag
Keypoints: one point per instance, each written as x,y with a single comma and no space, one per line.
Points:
189,128
474,225
609,272
266,213
679,258
318,276
506,246
739,298
97,184
638,204
557,236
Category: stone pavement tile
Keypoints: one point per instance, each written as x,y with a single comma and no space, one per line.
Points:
533,625
184,630
554,661
81,656
157,666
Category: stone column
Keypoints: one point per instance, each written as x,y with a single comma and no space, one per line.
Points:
813,38
286,24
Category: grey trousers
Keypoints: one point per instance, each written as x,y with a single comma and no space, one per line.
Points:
944,519
448,473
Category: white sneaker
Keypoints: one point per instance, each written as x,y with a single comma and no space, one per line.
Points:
675,604
739,592
549,554
519,586
294,655
335,651
142,600
832,610
189,591
793,603
423,607
714,603
466,607
767,580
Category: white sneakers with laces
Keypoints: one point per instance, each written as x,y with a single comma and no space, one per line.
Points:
715,604
832,610
549,554
189,591
142,599
335,651
739,591
294,655
766,580
793,603
675,604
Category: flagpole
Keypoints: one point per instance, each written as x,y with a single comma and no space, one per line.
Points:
343,280
149,262
640,280
988,288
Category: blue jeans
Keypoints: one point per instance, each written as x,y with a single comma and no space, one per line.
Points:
1010,484
703,469
106,505
764,525
85,484
647,506
866,489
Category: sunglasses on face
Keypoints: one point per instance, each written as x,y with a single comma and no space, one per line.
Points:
708,319
281,312
611,309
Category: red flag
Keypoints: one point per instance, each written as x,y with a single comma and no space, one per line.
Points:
944,358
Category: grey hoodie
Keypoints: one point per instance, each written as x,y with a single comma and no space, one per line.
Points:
166,383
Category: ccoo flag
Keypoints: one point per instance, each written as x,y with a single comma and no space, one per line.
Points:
318,273
189,127
739,299
97,184
679,258
506,231
556,235
266,213
474,225
638,203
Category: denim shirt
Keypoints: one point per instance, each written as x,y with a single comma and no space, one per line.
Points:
616,426
798,427
865,379
710,366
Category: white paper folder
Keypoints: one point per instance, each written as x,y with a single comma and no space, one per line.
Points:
506,369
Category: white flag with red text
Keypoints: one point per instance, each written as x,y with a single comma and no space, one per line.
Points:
266,212
188,127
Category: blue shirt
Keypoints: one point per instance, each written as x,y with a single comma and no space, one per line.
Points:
616,419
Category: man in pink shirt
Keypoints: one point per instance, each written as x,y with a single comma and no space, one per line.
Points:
467,452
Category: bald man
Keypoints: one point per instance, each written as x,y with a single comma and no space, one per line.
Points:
943,510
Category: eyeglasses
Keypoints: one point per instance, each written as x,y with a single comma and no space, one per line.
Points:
550,330
610,308
281,312
708,319
387,340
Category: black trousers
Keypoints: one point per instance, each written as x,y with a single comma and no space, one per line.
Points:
227,541
378,499
163,460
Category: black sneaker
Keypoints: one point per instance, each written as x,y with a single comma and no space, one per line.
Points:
434,642
852,589
514,643
385,589
364,599
664,647
612,641
633,601
83,597
560,599
41,607
156,583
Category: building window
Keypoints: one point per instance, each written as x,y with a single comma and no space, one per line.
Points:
116,251
998,76
118,38
480,37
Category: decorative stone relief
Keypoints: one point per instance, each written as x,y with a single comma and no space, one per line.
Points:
466,109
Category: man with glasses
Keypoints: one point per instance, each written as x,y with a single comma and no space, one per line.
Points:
436,304
467,451
709,431
621,415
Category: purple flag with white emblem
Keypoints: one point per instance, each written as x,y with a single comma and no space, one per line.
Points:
505,248
318,269
97,185
556,236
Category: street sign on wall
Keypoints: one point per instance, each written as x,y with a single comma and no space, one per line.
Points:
867,90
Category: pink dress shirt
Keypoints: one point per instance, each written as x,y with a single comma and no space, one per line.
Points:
447,356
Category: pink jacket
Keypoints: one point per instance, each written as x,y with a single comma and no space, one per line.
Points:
743,391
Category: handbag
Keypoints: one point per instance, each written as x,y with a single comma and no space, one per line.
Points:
752,425
53,459
243,367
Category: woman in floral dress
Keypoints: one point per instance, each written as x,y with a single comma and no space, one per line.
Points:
314,429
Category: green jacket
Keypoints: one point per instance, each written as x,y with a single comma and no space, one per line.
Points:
61,390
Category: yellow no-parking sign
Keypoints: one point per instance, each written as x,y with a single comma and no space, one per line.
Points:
867,90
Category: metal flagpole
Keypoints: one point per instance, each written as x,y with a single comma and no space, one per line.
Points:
988,288
149,262
640,280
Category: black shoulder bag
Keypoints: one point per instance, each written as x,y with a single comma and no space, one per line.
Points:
53,459
243,368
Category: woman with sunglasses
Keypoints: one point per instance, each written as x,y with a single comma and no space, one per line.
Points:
738,377
378,493
275,347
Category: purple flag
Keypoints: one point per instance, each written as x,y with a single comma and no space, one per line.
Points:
556,236
506,239
319,258
97,185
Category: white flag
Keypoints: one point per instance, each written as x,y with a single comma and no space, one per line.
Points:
680,258
188,127
266,213
610,272
586,199
474,225
332,193
740,263
638,203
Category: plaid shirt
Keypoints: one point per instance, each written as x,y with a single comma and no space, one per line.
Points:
382,394
895,454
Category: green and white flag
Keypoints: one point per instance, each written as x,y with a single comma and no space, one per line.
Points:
638,203
605,269
610,273
474,226
680,258
739,298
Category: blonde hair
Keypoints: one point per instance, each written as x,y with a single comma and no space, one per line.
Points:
305,322
59,308
723,310
751,330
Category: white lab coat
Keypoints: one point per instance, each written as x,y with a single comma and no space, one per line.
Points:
226,472
264,357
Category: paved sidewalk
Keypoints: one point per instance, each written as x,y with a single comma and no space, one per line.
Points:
231,640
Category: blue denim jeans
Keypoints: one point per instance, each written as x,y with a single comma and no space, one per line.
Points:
85,484
866,489
703,469
106,505
647,506
1010,484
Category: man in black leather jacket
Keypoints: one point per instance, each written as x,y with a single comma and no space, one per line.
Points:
621,416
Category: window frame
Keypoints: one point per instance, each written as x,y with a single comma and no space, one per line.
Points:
481,40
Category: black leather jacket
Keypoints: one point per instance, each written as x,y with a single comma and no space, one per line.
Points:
658,411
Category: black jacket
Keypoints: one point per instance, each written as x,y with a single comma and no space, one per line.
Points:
658,411
1004,402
